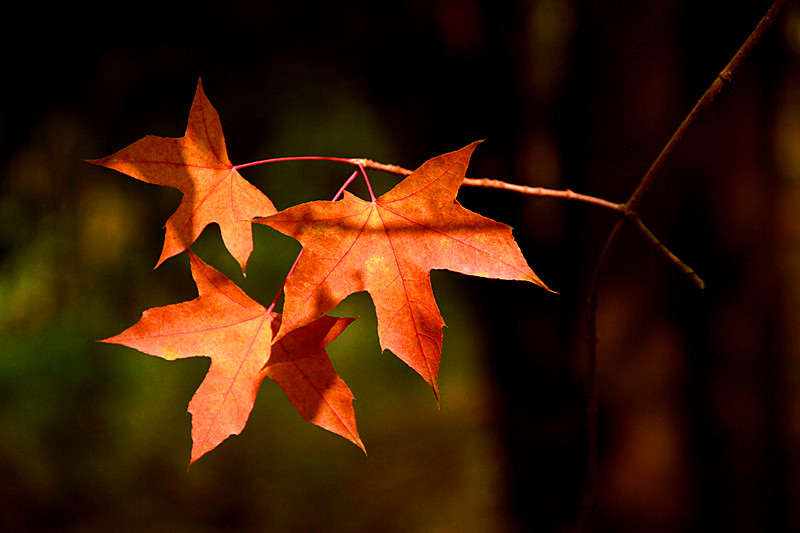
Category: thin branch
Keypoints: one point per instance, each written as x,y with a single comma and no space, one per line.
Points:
391,169
724,78
683,267
556,193
541,191
497,184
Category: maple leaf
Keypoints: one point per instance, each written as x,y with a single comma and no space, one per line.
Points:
197,164
223,323
387,247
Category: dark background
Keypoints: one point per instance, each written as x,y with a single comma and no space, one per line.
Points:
700,406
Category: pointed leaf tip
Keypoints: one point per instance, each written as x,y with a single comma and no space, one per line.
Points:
300,364
197,164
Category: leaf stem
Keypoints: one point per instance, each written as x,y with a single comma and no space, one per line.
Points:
283,285
344,186
360,164
296,158
338,195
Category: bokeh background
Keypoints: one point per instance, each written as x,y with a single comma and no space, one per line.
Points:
700,391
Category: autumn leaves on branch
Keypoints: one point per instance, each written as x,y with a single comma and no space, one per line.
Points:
386,246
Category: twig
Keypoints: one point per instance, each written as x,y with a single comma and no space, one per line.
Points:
630,214
722,79
541,191
497,184
684,268
556,193
391,169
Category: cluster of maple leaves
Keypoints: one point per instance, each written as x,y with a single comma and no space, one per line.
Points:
386,246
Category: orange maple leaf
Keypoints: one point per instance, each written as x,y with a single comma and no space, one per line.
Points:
197,164
387,247
223,323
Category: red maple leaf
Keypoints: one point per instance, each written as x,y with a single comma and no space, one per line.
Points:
223,323
197,164
387,247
